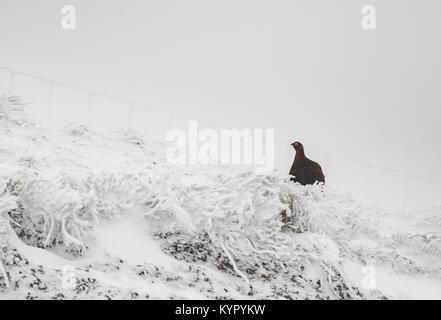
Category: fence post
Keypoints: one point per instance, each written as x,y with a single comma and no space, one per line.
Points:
89,107
170,120
406,191
131,111
11,82
327,164
368,178
49,105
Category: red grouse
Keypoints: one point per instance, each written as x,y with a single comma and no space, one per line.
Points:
303,170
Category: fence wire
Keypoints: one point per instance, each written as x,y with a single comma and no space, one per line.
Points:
359,177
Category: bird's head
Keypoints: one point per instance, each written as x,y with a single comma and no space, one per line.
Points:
297,146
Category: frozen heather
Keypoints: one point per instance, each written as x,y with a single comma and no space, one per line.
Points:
92,216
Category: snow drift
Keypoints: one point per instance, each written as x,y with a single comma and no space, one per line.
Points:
86,215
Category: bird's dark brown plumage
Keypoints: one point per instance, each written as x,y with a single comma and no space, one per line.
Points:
304,170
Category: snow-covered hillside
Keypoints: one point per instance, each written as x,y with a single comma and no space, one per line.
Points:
83,215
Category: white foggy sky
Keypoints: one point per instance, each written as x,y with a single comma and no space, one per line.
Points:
305,68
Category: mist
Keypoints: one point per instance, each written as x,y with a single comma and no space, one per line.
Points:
365,103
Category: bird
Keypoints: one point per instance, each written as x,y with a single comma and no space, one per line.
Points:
304,170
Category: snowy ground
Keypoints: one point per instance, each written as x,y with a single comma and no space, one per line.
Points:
87,216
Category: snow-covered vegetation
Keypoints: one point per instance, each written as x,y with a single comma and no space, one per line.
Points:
86,215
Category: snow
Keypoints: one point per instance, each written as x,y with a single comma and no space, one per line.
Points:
108,211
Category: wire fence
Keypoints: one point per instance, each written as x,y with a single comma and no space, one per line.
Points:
373,184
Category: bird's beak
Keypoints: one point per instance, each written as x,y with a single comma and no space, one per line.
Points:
292,144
